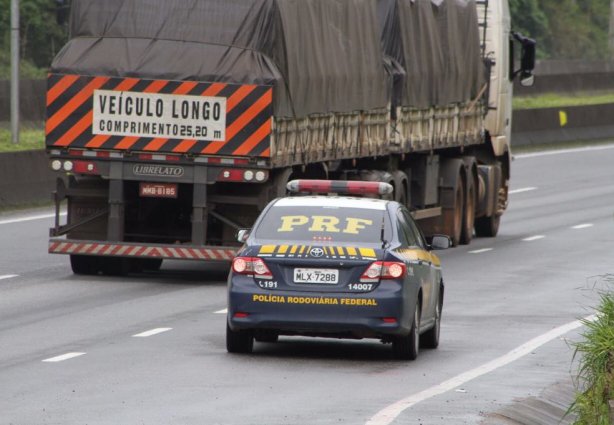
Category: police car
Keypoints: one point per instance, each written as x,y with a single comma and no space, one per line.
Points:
336,266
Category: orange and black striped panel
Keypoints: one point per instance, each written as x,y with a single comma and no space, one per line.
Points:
70,116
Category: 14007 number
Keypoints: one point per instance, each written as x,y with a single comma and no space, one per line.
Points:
360,286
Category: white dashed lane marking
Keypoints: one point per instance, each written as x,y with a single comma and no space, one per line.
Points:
224,311
480,251
534,238
524,189
151,332
63,357
8,276
582,226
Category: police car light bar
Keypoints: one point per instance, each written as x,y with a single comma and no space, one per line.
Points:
339,186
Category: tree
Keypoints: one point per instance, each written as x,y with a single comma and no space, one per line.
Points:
41,36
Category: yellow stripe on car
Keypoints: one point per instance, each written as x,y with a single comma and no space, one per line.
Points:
367,252
267,249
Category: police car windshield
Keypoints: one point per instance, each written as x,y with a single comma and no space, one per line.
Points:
315,224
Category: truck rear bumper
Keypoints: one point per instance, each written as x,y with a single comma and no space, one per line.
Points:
139,250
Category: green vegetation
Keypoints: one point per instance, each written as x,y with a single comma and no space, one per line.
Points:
555,100
41,37
31,137
596,375
565,29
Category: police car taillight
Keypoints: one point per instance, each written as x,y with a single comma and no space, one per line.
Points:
339,186
251,266
383,270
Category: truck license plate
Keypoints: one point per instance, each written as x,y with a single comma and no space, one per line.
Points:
326,276
158,190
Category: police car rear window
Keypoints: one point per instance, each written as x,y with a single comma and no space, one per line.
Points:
322,224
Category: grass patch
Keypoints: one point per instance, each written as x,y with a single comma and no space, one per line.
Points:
596,374
555,100
31,137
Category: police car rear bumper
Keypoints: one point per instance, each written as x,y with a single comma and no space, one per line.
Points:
369,315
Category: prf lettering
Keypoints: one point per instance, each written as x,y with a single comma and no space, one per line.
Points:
323,223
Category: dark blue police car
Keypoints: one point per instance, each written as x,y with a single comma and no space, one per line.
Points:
336,266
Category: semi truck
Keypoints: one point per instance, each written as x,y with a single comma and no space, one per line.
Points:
171,124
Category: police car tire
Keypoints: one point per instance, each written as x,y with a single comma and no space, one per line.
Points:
407,347
430,339
241,341
266,336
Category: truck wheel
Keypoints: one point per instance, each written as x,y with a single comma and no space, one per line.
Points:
115,266
468,213
487,227
151,264
406,347
453,217
84,264
430,339
239,341
400,187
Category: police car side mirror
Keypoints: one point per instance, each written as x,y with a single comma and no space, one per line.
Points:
440,242
242,235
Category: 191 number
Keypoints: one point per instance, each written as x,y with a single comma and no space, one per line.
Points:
265,284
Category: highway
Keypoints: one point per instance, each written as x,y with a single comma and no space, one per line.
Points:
149,348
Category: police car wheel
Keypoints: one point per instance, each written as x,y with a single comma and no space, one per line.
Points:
241,341
430,339
266,336
406,347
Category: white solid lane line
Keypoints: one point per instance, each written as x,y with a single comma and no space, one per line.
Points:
8,276
151,332
479,251
564,151
524,189
387,415
63,357
582,226
534,238
224,311
31,218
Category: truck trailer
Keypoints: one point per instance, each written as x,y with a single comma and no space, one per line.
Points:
171,124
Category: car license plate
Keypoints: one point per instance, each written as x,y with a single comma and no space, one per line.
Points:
326,276
158,190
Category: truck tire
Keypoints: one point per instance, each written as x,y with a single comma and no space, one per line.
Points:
453,217
487,227
400,187
407,347
115,266
86,265
469,212
241,341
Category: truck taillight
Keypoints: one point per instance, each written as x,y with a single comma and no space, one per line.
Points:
339,186
251,266
85,167
241,175
383,270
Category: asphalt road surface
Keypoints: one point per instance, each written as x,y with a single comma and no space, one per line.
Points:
70,354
